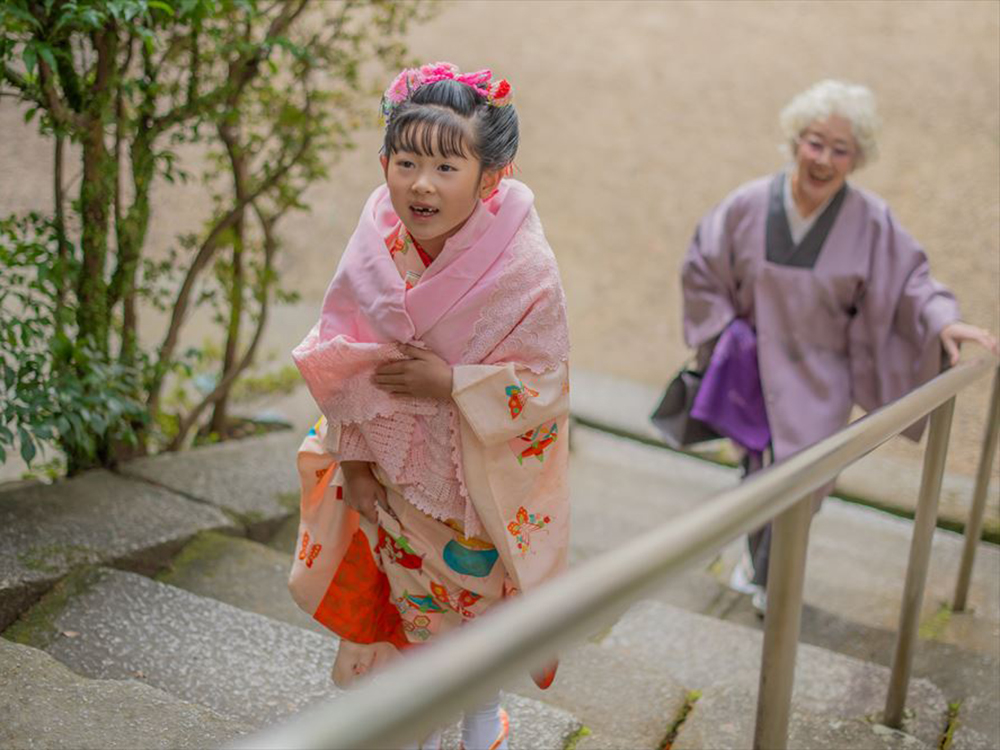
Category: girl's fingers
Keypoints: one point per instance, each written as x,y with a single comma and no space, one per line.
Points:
392,368
413,352
425,355
393,388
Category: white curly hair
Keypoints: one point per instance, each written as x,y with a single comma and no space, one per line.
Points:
854,102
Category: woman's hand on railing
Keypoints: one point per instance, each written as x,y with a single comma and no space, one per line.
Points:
954,334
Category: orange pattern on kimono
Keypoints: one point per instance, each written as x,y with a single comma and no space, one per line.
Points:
351,605
517,398
309,554
523,525
534,442
460,602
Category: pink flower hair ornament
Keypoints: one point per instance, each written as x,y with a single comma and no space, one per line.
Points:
498,93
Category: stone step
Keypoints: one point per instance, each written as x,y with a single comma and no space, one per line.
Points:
97,518
45,705
255,480
722,661
857,555
239,664
624,700
244,666
240,572
287,535
724,717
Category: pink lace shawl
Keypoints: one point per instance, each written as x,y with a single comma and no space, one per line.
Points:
492,296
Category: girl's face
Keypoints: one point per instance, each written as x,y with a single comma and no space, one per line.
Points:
825,154
434,195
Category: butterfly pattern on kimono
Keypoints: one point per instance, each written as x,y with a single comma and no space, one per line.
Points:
517,397
524,525
460,602
534,442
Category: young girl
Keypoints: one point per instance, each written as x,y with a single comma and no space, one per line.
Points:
435,485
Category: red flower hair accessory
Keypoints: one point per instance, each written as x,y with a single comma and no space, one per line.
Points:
498,93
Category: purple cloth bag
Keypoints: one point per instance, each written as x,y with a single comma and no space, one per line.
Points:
730,398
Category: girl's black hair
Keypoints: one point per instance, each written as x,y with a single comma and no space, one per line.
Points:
452,119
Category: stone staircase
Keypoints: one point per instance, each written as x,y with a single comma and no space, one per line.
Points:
149,609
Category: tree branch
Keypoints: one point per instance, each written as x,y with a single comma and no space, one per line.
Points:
242,71
223,387
201,260
57,108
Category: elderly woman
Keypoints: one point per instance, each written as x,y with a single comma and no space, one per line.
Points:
839,295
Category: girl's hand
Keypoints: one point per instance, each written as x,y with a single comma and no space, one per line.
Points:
424,375
954,334
362,491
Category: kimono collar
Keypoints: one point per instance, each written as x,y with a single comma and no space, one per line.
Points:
368,282
468,254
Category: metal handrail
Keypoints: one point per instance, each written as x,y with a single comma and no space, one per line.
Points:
434,683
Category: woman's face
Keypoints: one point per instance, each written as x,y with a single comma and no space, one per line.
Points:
825,154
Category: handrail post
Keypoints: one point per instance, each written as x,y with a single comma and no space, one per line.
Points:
974,528
920,553
786,576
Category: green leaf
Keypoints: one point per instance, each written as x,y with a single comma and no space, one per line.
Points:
161,6
30,56
27,445
46,52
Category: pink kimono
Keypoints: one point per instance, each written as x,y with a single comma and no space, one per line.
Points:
477,486
848,315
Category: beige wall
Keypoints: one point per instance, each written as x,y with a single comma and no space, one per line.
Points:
638,116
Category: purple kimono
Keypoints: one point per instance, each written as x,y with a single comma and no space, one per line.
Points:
849,315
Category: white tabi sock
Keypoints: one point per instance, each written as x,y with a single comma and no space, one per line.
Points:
480,728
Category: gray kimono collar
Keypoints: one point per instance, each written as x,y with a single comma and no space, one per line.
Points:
780,248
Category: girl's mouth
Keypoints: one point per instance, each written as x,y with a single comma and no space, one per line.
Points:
423,211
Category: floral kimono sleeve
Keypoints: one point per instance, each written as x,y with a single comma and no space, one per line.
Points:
501,402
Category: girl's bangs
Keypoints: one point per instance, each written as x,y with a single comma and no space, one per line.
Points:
430,133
